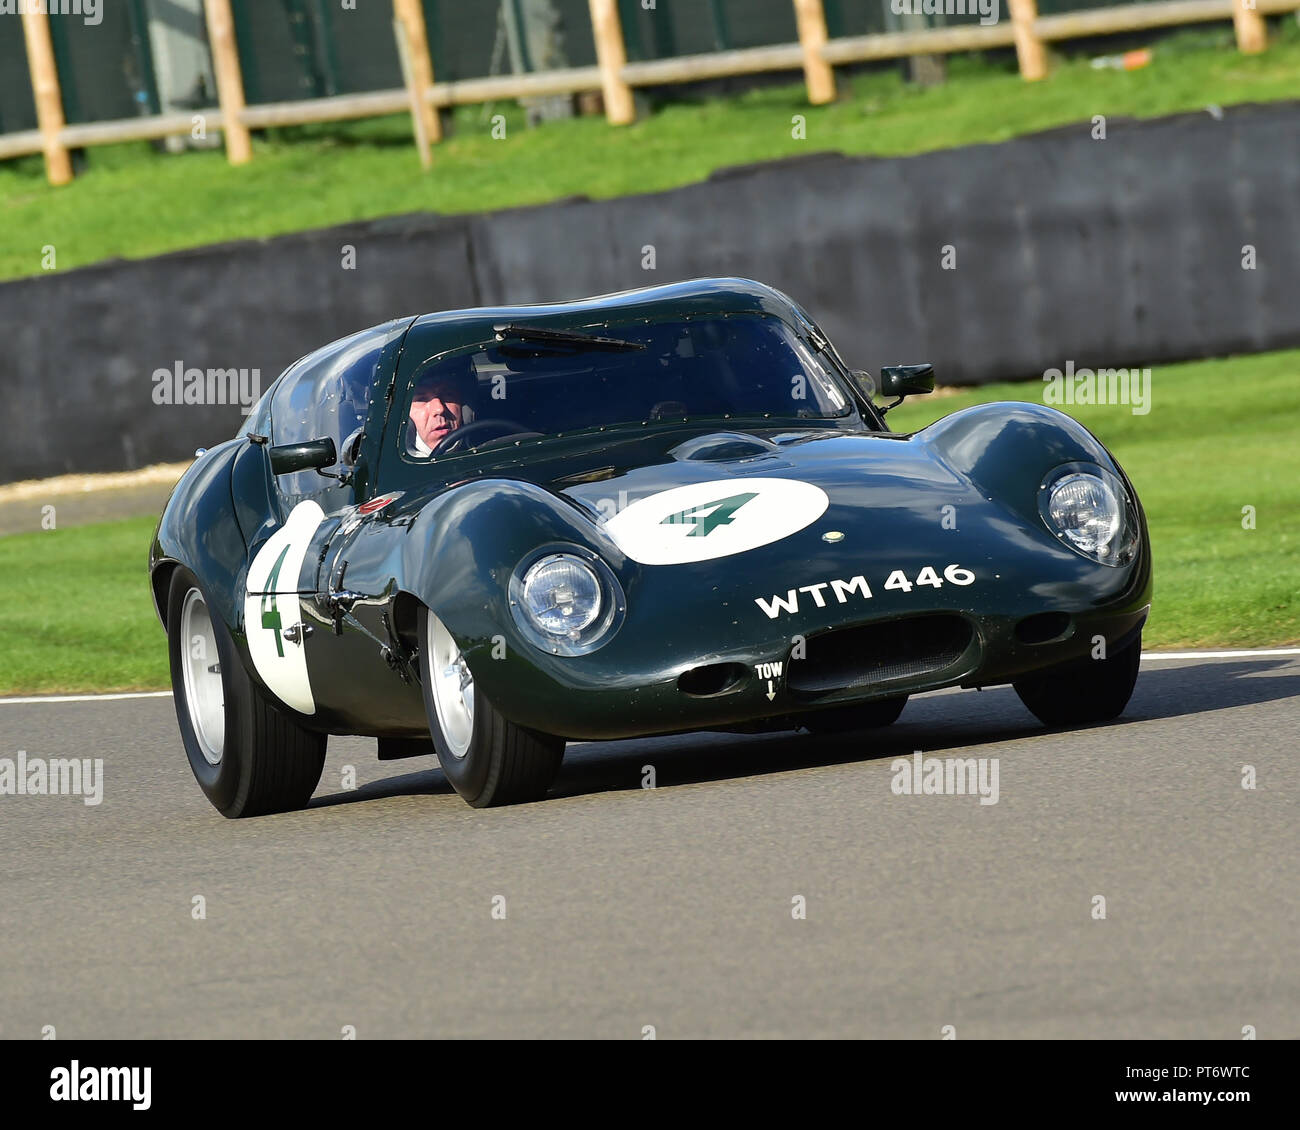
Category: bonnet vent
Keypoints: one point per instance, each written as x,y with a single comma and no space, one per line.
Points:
723,447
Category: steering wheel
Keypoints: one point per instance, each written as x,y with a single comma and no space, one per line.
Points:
460,438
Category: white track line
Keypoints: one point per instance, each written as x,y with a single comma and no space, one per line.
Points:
1218,654
1146,655
82,698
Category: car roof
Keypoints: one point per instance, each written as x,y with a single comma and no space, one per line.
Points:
449,329
693,297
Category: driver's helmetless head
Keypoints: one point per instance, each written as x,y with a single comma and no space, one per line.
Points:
437,409
440,403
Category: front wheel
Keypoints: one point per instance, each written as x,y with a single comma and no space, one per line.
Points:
1094,690
487,758
248,756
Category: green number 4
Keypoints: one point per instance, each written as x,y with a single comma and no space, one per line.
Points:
270,612
720,513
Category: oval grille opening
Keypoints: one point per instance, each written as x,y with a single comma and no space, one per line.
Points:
711,679
878,653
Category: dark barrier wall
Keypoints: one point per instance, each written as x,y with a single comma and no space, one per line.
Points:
77,368
1114,252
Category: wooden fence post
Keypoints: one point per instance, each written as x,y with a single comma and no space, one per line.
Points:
414,95
810,16
411,15
230,81
46,92
611,54
1030,52
1252,35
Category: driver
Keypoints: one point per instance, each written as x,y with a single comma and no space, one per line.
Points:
440,404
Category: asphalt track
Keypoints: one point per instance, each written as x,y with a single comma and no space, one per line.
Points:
627,907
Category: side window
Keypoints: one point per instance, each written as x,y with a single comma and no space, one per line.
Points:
326,395
259,417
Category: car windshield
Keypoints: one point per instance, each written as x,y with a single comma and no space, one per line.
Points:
530,381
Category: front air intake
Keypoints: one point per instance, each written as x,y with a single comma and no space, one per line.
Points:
856,658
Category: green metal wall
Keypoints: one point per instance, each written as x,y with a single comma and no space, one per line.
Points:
17,107
294,49
464,38
105,69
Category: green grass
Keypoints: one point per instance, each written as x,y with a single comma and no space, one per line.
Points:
77,615
1220,435
133,202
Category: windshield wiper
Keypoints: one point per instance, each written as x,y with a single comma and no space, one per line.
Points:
535,335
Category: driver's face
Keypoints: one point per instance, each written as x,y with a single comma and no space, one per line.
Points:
437,411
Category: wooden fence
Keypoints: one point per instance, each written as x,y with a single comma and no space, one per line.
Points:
816,54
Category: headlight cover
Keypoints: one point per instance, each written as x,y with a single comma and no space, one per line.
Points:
566,600
1089,509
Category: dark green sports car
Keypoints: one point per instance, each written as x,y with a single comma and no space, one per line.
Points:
481,533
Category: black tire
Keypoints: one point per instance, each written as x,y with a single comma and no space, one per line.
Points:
861,716
1094,690
503,763
268,762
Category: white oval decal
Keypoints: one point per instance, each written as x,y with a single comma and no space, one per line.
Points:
702,521
271,606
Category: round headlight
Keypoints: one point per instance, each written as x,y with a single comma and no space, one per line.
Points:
561,596
1085,510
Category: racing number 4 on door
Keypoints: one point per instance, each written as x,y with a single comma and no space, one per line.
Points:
271,614
719,513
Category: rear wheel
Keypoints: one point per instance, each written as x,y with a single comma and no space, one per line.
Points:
1094,690
862,716
248,756
487,758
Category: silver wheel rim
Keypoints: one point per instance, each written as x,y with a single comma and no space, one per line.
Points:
452,687
205,694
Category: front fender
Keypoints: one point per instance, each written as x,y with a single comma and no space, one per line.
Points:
1006,448
464,546
198,529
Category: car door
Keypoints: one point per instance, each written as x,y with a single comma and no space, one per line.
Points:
297,643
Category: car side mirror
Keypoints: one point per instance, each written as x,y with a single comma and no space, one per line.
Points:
906,380
311,455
